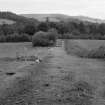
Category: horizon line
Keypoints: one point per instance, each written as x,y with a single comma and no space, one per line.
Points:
56,13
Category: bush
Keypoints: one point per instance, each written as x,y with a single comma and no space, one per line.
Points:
97,53
39,39
43,38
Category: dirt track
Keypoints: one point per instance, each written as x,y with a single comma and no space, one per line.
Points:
60,79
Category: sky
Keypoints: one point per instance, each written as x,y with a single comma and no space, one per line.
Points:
90,8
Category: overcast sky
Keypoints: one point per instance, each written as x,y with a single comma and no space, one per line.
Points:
91,8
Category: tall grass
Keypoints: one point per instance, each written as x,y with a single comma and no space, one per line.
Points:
80,51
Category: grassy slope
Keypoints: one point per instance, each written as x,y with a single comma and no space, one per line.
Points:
6,21
12,17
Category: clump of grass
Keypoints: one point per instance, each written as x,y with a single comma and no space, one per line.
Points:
69,76
84,87
80,94
97,53
76,49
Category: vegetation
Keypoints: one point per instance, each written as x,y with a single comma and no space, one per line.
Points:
66,30
16,18
44,38
97,53
79,49
20,31
15,38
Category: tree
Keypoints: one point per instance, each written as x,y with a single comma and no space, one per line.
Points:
7,29
43,26
102,29
30,29
82,28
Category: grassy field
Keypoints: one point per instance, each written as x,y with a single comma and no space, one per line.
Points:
60,79
9,52
15,75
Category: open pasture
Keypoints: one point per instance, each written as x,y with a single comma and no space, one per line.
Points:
60,79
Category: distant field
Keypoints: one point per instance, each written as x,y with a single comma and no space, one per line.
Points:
83,48
6,21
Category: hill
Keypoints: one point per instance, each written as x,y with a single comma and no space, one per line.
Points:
10,18
92,20
62,17
52,17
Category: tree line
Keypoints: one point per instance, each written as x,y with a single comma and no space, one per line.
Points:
24,28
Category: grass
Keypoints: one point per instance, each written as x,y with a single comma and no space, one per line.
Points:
60,79
86,48
10,49
80,94
8,55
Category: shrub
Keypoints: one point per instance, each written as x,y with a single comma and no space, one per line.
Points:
43,38
97,53
39,39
